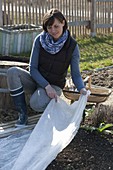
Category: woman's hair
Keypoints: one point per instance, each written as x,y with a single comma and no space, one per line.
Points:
50,17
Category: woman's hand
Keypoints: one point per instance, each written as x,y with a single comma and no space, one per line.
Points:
51,92
83,91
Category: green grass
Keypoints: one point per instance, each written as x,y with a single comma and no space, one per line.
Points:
96,52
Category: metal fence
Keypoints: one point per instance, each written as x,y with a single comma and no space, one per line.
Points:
83,16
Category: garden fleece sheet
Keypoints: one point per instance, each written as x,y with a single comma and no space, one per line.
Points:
36,149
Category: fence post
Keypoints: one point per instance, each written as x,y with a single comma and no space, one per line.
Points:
93,18
1,17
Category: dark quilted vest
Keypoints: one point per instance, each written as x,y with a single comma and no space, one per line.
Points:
54,67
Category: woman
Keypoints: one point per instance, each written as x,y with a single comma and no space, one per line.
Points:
52,53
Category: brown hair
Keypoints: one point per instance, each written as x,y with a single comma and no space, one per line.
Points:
50,16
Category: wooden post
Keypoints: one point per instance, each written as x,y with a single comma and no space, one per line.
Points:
93,18
1,16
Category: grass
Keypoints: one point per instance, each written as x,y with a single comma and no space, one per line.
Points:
96,52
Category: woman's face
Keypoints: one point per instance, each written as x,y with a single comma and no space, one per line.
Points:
56,29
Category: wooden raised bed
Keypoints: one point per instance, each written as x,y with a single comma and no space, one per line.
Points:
16,39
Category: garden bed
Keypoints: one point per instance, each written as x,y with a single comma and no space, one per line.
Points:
88,150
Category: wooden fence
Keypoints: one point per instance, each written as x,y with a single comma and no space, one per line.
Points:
83,16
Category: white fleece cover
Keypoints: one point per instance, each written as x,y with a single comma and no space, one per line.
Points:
55,129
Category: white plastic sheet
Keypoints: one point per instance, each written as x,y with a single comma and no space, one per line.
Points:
53,132
10,148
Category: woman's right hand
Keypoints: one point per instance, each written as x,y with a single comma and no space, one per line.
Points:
51,92
83,91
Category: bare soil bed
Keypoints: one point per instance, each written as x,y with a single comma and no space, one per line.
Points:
88,150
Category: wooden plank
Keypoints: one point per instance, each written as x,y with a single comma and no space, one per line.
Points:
2,74
6,64
9,13
31,119
12,14
12,131
78,23
16,6
93,18
104,0
9,128
104,25
4,90
15,43
4,13
19,43
1,41
19,11
1,15
7,44
11,43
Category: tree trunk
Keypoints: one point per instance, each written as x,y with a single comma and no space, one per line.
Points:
103,112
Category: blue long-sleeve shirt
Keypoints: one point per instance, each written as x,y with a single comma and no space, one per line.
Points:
36,75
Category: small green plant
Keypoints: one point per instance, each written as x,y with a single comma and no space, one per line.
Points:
104,126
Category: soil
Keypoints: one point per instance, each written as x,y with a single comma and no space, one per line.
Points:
89,150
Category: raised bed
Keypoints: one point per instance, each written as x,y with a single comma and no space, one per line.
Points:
17,39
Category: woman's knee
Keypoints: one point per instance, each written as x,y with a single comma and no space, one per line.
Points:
39,100
12,71
13,78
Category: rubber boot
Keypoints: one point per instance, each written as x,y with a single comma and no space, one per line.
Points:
20,104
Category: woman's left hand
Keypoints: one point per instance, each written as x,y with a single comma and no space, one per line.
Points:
51,92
